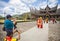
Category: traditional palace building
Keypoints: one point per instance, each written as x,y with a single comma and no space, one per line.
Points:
47,12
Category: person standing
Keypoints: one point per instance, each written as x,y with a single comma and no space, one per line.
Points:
15,23
46,20
40,22
53,20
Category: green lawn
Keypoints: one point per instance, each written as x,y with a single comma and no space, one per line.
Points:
2,21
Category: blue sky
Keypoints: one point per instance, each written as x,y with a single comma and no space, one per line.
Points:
21,6
5,0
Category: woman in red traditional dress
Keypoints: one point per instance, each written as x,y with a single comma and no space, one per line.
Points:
40,22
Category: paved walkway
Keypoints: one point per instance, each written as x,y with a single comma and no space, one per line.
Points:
35,34
54,31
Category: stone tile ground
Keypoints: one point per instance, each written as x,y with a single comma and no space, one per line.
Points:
54,32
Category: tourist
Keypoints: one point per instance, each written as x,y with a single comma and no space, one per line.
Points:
40,22
15,22
46,20
53,20
9,27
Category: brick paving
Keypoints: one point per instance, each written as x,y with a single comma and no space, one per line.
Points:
54,32
20,26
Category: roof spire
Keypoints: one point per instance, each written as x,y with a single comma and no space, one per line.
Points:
47,2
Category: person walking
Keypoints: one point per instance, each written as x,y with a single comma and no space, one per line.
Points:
9,27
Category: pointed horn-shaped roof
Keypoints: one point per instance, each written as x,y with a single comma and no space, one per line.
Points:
54,8
47,7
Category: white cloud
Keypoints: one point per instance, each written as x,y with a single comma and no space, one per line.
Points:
14,1
29,1
21,7
9,10
1,10
18,5
52,0
3,4
59,6
43,4
52,3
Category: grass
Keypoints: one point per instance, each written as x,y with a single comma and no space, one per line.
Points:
2,21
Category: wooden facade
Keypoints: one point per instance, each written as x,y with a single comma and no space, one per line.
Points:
47,12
